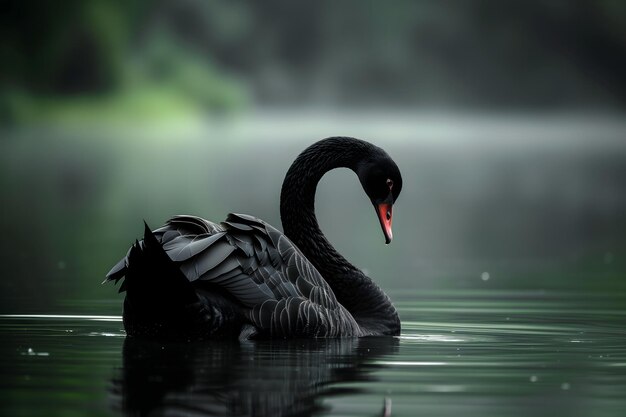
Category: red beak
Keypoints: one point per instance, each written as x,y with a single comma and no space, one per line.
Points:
383,211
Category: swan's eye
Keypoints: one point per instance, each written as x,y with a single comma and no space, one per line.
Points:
389,183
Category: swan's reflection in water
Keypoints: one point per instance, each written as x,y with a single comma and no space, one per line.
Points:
264,378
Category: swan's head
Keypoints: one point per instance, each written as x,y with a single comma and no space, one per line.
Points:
382,182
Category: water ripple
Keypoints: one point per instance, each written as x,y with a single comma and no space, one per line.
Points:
472,355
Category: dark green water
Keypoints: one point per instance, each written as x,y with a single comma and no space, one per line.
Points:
470,353
507,265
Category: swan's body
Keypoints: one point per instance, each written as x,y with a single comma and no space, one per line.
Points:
243,278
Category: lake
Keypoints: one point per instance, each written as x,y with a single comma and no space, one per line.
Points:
470,352
507,267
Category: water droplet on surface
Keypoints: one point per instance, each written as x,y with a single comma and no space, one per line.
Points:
485,276
565,386
534,378
31,352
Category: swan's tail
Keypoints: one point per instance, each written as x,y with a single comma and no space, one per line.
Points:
160,301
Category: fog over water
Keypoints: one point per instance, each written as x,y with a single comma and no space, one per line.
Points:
507,195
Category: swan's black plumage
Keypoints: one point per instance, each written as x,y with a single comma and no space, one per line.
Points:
196,279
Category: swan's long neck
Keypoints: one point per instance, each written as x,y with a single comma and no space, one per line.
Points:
354,290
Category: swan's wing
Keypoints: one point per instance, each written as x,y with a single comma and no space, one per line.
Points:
304,304
195,227
267,255
283,292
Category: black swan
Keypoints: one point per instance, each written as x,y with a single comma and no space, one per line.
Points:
242,278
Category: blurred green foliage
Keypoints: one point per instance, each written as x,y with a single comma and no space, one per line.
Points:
76,47
78,63
168,59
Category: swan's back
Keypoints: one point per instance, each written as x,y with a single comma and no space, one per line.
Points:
241,276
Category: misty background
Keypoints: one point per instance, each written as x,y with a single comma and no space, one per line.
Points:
506,119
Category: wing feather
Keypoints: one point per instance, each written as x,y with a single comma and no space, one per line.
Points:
225,267
181,248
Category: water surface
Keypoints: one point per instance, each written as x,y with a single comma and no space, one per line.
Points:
470,353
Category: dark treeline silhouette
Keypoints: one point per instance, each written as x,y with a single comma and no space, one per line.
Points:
560,53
